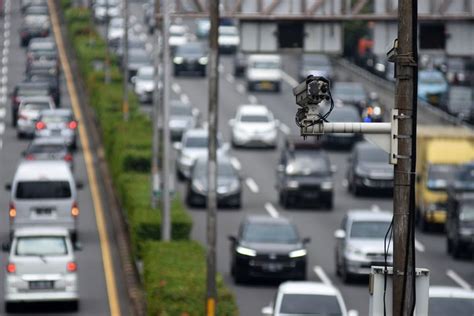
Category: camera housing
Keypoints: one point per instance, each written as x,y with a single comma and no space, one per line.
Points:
309,95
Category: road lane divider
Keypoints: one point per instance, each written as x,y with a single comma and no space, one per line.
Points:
419,246
458,280
285,129
322,275
230,78
240,88
176,88
184,98
107,262
252,185
253,99
271,210
235,163
289,79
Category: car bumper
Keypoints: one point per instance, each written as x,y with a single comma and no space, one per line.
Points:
265,268
256,140
308,194
435,217
363,267
145,97
17,288
229,199
188,67
377,184
69,224
26,127
227,49
184,169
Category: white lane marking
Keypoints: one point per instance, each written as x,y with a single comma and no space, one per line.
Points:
184,98
271,210
352,312
3,99
132,19
176,88
220,68
289,79
240,88
252,185
6,42
253,99
4,59
458,280
4,79
419,246
1,144
5,51
285,129
4,70
3,113
322,275
7,32
235,163
137,28
6,25
3,90
230,78
345,183
2,128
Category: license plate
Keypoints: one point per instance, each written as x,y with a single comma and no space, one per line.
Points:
266,85
56,132
41,285
272,267
44,211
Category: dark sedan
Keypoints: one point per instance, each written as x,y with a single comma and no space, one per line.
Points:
190,58
229,187
40,76
346,113
240,64
27,89
369,169
268,247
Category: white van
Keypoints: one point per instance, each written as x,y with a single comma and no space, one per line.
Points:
263,72
43,193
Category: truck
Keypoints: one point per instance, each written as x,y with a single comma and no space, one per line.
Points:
440,151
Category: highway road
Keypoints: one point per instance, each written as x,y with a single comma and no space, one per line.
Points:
98,295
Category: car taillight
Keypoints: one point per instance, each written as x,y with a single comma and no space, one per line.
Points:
75,210
71,266
30,157
68,157
40,125
11,268
72,125
12,210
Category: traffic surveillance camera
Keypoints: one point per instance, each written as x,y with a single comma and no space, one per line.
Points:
312,91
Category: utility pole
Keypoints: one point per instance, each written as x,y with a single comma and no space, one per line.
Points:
107,52
156,117
404,180
166,216
211,290
125,110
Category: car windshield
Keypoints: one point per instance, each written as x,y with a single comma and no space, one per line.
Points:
369,229
116,23
373,154
43,190
308,164
41,246
196,142
29,92
36,106
442,306
439,176
467,212
254,118
45,149
54,119
181,111
281,233
189,50
227,31
345,114
176,31
223,169
310,305
465,175
265,65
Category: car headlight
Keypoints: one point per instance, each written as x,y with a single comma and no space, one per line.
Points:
187,160
298,253
198,186
377,110
178,60
355,252
360,172
203,60
246,251
292,184
326,186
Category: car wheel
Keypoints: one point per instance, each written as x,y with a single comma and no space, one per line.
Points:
180,175
19,135
456,250
189,199
9,307
250,87
357,190
277,87
338,266
203,73
176,73
423,224
345,275
14,120
285,201
74,306
239,277
330,204
449,245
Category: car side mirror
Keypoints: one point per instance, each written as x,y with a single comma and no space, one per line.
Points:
79,184
177,146
6,247
267,310
77,246
8,186
232,238
306,240
340,234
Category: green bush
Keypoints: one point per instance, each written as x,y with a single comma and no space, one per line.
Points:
175,280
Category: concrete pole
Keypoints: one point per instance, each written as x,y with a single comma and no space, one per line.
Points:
166,216
125,109
404,181
211,290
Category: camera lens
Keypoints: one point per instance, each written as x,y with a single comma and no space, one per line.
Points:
313,89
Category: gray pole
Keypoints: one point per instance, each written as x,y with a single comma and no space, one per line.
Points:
165,218
211,292
403,206
156,117
125,61
107,52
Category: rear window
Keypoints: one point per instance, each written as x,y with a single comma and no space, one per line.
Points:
310,304
55,118
41,246
43,190
36,106
50,148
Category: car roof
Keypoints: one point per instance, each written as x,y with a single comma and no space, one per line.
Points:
266,219
48,141
450,291
39,98
264,57
369,215
253,109
58,112
307,287
43,170
41,231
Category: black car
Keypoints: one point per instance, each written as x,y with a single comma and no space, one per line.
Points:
27,89
190,58
352,93
460,224
240,64
268,247
51,80
304,175
229,187
346,113
369,169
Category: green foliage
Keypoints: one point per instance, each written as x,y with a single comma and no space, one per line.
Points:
166,266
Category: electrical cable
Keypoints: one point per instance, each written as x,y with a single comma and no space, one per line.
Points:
303,111
385,255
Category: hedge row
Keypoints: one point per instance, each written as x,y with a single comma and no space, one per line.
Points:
174,272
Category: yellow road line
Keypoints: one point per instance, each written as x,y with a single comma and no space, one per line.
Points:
98,207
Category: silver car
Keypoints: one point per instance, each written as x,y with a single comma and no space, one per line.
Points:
144,83
360,242
59,123
183,116
41,268
29,112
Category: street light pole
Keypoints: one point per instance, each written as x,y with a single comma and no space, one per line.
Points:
211,291
125,110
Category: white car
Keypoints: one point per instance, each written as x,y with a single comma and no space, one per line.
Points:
29,112
228,39
295,298
263,72
177,36
106,9
41,268
449,300
144,83
254,126
116,29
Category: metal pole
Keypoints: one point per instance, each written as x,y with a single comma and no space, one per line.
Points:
165,218
125,61
156,117
403,208
211,291
107,52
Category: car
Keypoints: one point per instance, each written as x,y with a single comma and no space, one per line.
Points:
58,123
202,28
49,148
240,64
192,146
177,36
26,89
29,112
460,225
24,4
134,42
304,175
41,267
43,48
295,298
52,80
116,28
149,16
254,126
144,83
228,39
44,194
33,27
369,170
459,101
268,247
344,113
43,67
263,72
316,65
431,86
360,243
106,9
183,117
190,58
458,72
350,93
137,58
450,300
228,185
